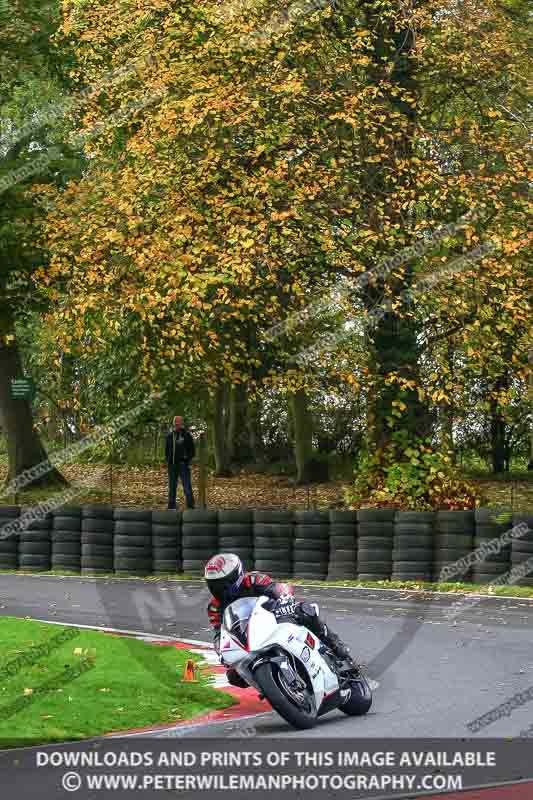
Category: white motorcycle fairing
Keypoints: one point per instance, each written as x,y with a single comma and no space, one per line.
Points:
261,637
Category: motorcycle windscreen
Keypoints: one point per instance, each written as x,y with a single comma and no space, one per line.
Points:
261,627
237,616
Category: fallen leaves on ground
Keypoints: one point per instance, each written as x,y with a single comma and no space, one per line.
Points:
147,487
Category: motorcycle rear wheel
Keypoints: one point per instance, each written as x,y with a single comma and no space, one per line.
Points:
360,699
268,678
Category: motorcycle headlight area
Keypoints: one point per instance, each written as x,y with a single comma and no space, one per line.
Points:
237,617
238,631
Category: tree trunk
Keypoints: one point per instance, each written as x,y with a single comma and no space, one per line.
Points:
25,449
395,350
238,441
498,427
530,360
217,425
202,471
448,410
303,435
393,335
497,440
54,427
253,424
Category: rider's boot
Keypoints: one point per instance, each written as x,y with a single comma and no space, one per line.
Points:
234,679
337,646
308,616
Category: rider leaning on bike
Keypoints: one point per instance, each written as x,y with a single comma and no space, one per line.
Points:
227,581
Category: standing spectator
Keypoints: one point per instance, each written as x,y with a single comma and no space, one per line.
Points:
179,451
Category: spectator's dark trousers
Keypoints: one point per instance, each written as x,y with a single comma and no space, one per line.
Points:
180,471
179,452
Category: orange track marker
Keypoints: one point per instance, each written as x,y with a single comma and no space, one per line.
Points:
189,673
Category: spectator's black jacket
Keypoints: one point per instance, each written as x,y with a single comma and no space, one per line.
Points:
177,451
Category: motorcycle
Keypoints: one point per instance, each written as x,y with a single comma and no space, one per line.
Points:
288,665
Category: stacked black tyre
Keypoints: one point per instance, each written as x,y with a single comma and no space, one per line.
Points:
311,544
166,542
66,539
199,539
8,541
97,526
35,545
236,535
375,534
491,526
342,545
273,542
454,541
132,542
522,549
412,554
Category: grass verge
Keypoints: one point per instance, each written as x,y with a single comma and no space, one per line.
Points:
425,586
61,683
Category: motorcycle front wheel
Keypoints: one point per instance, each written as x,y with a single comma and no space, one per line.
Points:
298,709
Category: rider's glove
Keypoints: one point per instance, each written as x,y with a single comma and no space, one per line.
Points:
284,607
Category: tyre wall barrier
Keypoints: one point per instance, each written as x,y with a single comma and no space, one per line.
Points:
66,539
273,536
522,549
236,534
311,544
367,544
497,559
35,544
97,527
412,553
8,542
342,563
132,542
454,541
375,534
199,539
166,542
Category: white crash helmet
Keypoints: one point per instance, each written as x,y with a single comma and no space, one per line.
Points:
223,574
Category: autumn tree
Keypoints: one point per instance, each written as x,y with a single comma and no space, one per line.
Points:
270,157
32,150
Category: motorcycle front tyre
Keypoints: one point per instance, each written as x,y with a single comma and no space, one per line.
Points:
297,717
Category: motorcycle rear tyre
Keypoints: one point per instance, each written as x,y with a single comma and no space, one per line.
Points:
360,699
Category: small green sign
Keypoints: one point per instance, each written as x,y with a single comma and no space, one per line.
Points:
22,389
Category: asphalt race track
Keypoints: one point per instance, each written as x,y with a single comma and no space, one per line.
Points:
436,673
